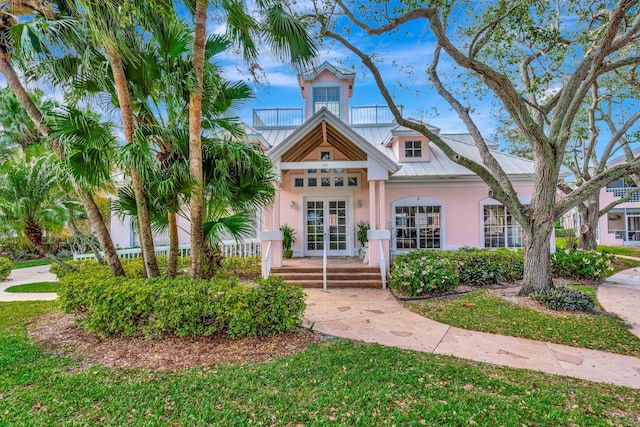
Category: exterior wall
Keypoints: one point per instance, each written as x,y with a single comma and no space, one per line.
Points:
398,149
122,233
462,216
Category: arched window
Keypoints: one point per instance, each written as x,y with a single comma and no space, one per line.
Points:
418,223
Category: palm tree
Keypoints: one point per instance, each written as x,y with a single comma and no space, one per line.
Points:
32,201
110,33
288,40
31,31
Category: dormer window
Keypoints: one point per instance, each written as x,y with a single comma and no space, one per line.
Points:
412,149
328,97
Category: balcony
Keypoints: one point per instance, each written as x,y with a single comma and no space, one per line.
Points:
293,117
620,192
277,117
372,115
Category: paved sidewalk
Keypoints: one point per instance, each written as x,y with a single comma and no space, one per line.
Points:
620,294
23,276
374,315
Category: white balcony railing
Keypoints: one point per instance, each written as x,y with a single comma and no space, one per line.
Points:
228,247
621,192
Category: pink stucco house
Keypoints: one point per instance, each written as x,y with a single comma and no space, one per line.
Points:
340,164
621,225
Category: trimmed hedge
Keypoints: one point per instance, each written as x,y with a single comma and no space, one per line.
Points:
5,267
415,273
480,267
183,306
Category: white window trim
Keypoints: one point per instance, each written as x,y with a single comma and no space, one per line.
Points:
413,149
325,86
490,201
418,201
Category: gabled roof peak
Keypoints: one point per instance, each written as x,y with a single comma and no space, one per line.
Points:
315,71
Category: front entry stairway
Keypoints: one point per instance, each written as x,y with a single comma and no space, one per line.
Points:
341,273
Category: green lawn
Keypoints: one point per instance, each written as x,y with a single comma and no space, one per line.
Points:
621,250
35,263
483,311
35,287
337,382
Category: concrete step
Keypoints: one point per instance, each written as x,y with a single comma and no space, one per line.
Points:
330,276
352,270
339,283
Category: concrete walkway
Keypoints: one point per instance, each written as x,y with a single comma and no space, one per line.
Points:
23,276
374,315
620,295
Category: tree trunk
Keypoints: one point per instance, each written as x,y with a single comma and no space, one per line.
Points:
102,232
35,236
172,265
537,239
144,220
83,238
97,222
195,143
589,216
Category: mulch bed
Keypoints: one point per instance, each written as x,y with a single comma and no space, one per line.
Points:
60,334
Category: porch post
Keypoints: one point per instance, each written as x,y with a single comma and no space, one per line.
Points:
382,220
374,251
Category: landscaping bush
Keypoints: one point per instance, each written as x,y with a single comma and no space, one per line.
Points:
474,266
416,276
242,267
564,298
579,264
482,267
182,306
5,267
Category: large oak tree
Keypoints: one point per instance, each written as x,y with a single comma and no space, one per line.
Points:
539,59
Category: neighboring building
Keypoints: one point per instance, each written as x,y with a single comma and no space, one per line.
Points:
621,225
340,165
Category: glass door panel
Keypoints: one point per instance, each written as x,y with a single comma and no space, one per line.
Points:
330,216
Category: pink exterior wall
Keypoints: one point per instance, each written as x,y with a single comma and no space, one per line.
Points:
398,148
462,211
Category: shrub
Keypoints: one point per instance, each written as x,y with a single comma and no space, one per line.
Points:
242,267
415,276
474,266
564,298
482,267
5,267
579,264
183,306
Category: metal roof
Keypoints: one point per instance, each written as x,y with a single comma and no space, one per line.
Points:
438,165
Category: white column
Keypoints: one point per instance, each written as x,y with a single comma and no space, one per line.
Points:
373,206
382,221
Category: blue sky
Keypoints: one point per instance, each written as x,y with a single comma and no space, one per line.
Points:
412,53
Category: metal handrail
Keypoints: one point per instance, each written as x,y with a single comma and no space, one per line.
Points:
266,262
324,262
383,266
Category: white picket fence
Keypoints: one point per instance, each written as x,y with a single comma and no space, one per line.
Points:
228,247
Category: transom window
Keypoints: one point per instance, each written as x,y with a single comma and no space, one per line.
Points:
327,178
417,227
412,149
501,230
328,97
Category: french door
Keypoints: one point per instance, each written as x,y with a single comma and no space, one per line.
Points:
326,222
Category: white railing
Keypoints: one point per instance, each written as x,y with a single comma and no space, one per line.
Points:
383,266
324,261
228,248
621,192
266,263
